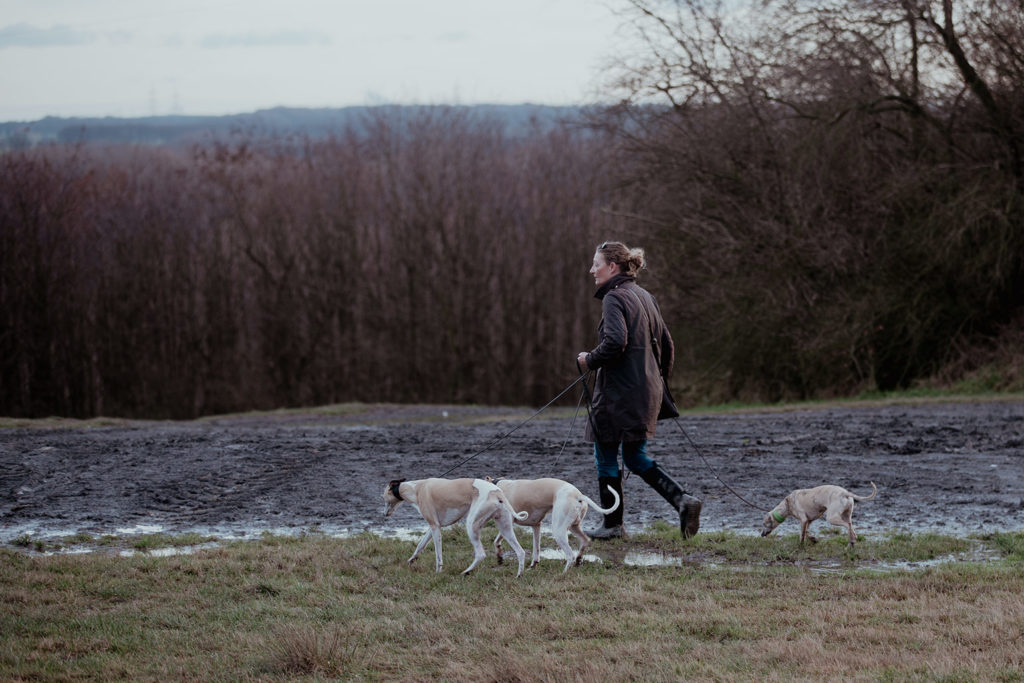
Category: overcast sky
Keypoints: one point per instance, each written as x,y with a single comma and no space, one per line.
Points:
143,57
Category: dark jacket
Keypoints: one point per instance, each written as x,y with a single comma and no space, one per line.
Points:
627,391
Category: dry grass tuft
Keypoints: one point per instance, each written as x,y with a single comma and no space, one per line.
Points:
309,650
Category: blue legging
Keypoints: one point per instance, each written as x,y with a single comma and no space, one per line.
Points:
634,456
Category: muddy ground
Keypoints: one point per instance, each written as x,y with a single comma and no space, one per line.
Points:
956,468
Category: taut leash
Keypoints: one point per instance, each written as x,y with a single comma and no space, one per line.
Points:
712,469
509,432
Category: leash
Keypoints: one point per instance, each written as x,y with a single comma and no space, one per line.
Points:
590,416
509,432
586,392
590,402
568,435
712,469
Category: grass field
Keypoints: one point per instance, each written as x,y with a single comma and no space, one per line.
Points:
313,607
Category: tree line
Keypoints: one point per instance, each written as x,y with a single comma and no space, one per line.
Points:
839,183
830,195
430,259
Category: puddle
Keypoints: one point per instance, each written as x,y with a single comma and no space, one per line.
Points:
402,533
169,552
34,535
35,531
649,559
977,553
139,529
557,554
638,558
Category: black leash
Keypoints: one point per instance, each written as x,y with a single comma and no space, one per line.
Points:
623,470
708,465
568,435
586,393
593,426
509,432
696,448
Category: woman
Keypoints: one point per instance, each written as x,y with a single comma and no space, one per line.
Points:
633,359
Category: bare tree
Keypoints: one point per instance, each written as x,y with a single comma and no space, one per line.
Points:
429,257
839,180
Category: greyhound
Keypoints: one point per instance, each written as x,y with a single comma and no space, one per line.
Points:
443,502
567,506
807,505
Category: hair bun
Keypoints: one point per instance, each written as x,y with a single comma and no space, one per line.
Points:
637,259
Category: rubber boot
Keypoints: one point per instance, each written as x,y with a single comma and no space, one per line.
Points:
612,527
688,506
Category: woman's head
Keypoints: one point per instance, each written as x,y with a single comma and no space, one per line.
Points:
613,258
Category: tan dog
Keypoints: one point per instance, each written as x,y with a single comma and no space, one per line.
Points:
443,502
807,505
568,507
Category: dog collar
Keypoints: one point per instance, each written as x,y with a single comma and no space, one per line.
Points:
394,488
777,517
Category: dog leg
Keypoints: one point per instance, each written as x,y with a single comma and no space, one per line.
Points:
497,549
843,519
420,546
473,530
577,529
438,561
560,530
535,555
504,520
563,542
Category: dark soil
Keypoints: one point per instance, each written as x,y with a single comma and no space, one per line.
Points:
955,468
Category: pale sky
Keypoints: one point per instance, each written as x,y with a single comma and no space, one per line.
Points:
132,58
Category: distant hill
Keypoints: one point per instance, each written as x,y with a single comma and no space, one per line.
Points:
185,130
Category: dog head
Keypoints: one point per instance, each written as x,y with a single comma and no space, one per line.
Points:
392,498
772,519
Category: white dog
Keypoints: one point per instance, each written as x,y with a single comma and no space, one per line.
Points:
443,502
568,507
807,505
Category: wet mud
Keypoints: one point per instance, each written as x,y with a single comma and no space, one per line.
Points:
954,468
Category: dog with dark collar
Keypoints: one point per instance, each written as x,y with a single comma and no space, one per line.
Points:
568,507
443,502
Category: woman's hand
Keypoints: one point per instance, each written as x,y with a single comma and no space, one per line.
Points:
582,360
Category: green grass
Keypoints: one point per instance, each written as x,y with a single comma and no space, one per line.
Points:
60,422
313,607
967,393
140,543
832,546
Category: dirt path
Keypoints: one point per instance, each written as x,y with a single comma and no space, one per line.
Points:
956,468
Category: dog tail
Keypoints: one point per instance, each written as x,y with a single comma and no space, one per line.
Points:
521,515
874,492
598,508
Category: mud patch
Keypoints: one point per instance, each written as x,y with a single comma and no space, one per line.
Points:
951,468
